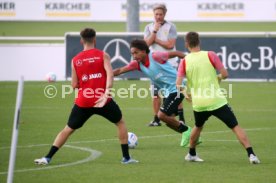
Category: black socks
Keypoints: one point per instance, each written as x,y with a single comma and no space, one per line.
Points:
52,152
156,118
192,151
125,151
182,128
250,151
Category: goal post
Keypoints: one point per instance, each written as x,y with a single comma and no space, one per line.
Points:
15,129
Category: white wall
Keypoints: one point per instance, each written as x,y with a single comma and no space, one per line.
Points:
33,61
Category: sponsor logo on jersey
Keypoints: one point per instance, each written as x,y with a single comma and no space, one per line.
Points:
79,62
84,77
94,76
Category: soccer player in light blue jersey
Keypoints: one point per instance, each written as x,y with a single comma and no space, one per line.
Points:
155,66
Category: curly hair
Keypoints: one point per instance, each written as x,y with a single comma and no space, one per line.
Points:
140,44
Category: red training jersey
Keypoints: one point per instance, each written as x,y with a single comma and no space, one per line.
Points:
89,66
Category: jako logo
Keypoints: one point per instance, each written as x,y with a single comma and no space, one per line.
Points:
96,75
84,77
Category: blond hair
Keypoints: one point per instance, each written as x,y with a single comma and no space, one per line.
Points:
160,6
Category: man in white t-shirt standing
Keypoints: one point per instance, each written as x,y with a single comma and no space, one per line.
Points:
161,35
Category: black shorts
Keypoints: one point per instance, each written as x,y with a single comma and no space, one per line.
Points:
224,113
79,115
170,104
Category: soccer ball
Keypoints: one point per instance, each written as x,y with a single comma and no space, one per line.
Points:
51,77
132,140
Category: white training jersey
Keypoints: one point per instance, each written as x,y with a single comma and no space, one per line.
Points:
167,31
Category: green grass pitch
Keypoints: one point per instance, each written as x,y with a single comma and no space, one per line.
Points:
161,158
59,28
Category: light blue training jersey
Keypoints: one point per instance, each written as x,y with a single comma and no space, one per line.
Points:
162,75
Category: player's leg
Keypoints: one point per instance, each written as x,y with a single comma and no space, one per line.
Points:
180,112
200,119
112,112
156,103
194,136
180,106
243,138
226,115
185,135
172,122
59,141
123,137
122,132
168,110
62,136
192,155
76,120
185,141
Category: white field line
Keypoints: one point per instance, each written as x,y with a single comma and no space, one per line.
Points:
95,154
140,137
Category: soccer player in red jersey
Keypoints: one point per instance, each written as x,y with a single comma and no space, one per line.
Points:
93,76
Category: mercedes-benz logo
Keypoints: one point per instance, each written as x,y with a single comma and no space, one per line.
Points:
118,43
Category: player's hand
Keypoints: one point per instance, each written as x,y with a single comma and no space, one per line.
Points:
157,26
184,91
188,97
101,101
219,78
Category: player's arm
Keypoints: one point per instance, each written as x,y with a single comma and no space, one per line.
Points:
179,85
109,71
120,70
180,76
170,42
149,36
223,74
176,53
163,57
75,81
179,81
182,89
216,62
133,65
109,82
